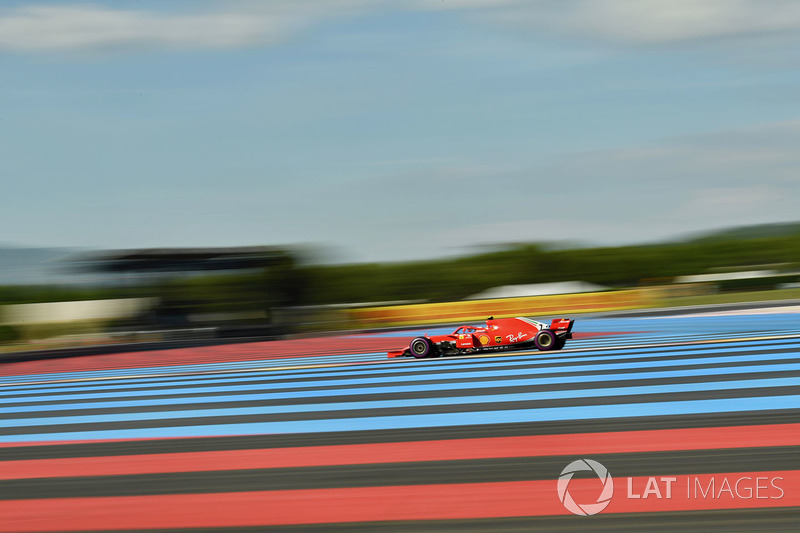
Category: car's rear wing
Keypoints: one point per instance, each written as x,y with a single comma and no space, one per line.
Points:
562,326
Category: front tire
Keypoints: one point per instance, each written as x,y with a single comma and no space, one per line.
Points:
421,347
546,340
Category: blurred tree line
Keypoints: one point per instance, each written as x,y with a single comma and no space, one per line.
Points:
615,267
291,283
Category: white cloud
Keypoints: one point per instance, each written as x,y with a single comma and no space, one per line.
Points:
676,187
763,152
97,28
88,27
721,200
70,27
637,21
729,178
660,21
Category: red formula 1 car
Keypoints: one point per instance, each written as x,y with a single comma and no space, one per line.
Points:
498,334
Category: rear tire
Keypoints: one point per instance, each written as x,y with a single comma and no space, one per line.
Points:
546,340
560,342
421,347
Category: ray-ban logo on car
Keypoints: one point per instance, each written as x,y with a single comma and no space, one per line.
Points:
514,338
585,508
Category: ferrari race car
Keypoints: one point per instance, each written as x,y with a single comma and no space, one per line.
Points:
499,334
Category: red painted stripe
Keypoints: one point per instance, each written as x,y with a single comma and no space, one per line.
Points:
362,504
291,350
397,452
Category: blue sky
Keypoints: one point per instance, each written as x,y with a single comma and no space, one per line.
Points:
395,130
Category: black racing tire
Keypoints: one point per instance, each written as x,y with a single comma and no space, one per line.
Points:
560,342
421,347
546,340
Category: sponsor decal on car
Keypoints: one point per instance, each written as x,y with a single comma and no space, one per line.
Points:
515,338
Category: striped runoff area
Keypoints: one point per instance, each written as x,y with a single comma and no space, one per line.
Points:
705,408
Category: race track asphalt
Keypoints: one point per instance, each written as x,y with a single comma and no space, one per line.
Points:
352,441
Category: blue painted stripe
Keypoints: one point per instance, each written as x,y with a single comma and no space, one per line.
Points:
416,402
385,374
360,358
378,357
366,357
455,385
482,373
588,412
